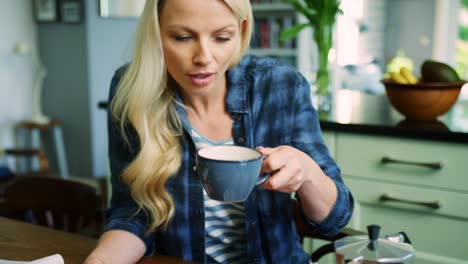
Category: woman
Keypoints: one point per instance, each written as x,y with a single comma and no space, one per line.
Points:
187,87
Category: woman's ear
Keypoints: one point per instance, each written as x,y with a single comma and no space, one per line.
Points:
243,24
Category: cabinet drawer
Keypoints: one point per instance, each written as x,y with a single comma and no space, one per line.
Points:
439,236
361,156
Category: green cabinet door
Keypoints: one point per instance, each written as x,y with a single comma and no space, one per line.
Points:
330,139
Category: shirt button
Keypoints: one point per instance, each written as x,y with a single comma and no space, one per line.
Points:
194,168
240,140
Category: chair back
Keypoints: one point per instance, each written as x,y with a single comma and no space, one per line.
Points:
57,203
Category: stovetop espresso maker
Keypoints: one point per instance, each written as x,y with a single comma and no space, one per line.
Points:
371,249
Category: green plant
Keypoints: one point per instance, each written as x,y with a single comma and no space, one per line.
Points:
464,3
463,32
321,16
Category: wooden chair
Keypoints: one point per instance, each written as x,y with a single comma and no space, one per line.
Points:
304,231
57,203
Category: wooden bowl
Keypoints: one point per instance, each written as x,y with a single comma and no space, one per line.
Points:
422,101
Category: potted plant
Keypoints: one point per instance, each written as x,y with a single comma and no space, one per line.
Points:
320,16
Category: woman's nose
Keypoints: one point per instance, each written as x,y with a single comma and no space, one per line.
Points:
202,54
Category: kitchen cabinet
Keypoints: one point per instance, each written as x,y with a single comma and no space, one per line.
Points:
422,165
329,138
411,185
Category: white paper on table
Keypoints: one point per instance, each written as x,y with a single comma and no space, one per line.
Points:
53,259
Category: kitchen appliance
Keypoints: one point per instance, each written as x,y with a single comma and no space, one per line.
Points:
371,249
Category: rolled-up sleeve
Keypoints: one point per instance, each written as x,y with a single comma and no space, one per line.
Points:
307,137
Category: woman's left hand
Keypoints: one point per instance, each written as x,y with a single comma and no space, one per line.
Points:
290,168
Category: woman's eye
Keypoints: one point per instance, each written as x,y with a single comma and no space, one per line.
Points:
223,39
183,38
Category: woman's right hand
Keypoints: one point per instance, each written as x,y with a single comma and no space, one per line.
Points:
117,247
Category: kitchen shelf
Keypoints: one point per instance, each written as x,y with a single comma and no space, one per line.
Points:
279,16
272,7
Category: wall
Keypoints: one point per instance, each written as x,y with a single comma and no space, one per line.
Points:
65,95
16,71
109,46
371,42
410,27
81,59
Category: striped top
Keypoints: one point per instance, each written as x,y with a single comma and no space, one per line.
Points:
225,240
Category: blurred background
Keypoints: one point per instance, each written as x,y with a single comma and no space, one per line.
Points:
79,44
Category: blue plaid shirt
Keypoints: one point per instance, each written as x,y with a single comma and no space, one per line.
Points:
270,104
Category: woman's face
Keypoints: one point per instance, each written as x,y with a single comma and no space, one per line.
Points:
199,40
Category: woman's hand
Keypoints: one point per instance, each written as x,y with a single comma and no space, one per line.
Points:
115,247
290,168
294,171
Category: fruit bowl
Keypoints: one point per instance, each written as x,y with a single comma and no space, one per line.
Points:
423,101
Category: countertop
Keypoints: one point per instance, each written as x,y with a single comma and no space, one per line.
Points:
358,112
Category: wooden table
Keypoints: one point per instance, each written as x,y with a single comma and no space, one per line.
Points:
23,241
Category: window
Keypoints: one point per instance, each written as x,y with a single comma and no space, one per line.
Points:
461,56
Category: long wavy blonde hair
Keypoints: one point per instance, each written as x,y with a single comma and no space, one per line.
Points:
145,99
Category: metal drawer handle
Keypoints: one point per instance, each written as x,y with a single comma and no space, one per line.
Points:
388,198
437,165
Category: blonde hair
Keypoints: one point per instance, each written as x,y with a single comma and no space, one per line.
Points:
146,99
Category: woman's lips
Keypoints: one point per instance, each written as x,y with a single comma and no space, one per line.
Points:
201,79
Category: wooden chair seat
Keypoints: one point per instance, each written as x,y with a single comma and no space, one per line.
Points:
57,203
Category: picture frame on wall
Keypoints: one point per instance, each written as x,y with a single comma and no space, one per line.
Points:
71,11
121,8
45,10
